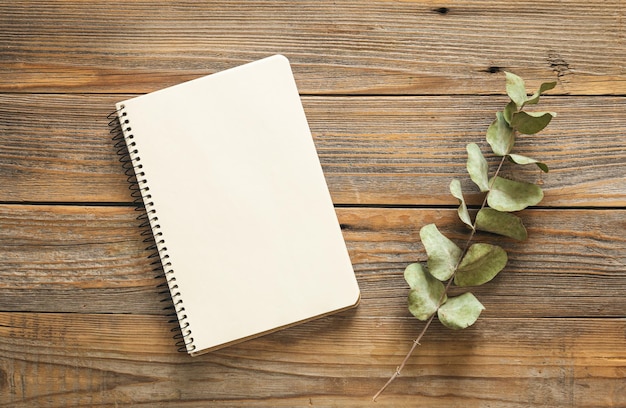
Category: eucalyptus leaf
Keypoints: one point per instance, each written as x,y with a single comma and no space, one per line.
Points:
546,86
443,254
516,89
508,111
455,189
426,291
519,159
481,263
477,167
500,135
460,312
509,195
501,223
530,123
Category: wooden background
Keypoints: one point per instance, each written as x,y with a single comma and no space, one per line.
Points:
393,91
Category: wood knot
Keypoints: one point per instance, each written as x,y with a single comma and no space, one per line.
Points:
442,10
558,64
493,69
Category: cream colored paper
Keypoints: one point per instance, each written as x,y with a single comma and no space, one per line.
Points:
247,221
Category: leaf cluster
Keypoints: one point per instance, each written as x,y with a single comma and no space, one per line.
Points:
479,263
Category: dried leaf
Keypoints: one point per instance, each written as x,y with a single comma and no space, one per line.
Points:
508,195
500,135
508,111
502,223
516,89
481,263
477,167
443,254
530,123
519,159
546,86
426,291
460,312
455,189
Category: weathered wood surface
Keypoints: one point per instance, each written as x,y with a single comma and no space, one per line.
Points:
393,91
374,150
86,326
370,47
92,260
84,360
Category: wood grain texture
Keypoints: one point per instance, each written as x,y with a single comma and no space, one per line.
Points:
374,150
82,360
347,47
92,260
393,91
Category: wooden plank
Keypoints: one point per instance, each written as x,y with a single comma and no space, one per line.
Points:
82,360
92,260
374,150
76,259
349,47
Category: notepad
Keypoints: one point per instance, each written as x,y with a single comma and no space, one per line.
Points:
238,204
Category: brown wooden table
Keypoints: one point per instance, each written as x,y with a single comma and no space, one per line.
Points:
393,90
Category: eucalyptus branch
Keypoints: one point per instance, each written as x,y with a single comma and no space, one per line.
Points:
416,342
478,263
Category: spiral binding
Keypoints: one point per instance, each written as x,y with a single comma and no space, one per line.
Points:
148,223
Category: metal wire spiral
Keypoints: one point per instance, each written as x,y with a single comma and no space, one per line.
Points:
121,132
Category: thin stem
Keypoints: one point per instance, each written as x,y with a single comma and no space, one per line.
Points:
416,342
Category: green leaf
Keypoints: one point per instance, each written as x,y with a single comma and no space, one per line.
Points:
508,195
546,86
460,312
516,89
508,111
481,263
455,189
477,167
519,159
500,135
530,123
502,223
426,291
443,254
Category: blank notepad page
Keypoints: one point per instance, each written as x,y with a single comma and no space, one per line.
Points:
240,208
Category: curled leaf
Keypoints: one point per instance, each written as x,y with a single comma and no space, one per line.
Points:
477,167
443,254
530,123
426,291
516,89
546,86
508,195
519,159
460,312
455,189
508,111
502,223
481,263
500,135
